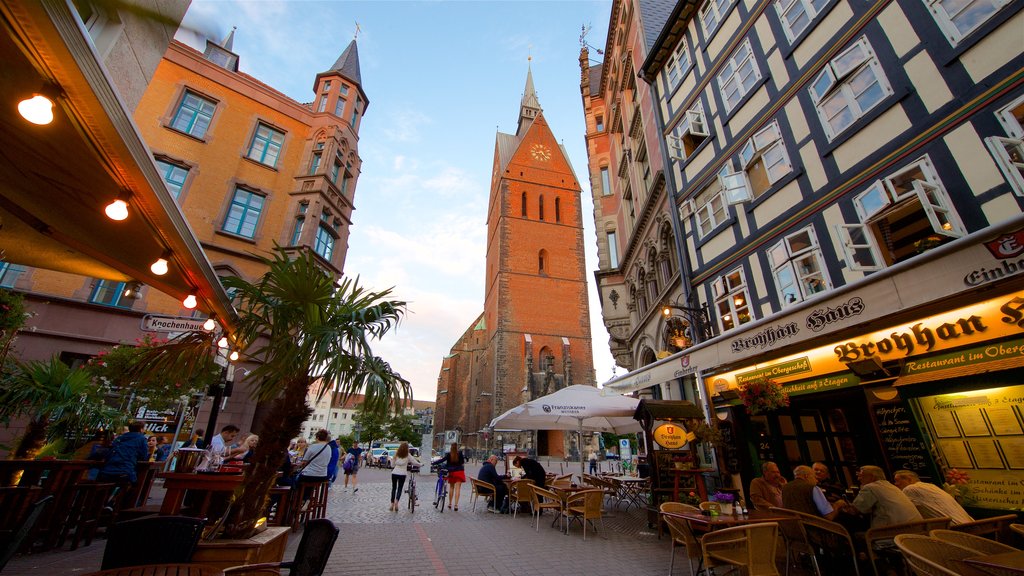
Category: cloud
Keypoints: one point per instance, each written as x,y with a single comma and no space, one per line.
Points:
405,125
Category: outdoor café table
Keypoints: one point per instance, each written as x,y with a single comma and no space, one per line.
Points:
176,484
160,570
727,520
631,490
564,492
1002,563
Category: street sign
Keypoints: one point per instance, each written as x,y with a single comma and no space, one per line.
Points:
154,323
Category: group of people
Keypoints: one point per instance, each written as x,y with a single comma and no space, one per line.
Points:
878,502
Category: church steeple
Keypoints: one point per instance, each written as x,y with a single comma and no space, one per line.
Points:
530,106
348,64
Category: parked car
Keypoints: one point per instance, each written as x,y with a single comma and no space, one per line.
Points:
373,459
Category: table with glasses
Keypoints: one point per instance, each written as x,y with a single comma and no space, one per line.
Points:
631,490
210,486
1002,563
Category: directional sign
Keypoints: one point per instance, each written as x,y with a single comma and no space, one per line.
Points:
153,323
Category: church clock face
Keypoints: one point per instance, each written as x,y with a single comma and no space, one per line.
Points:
540,152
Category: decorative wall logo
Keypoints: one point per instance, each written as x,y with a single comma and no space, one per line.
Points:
765,338
821,317
1003,248
546,408
1007,246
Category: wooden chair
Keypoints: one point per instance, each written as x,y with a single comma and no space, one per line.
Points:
878,539
750,547
551,502
309,502
794,537
519,493
18,537
984,546
932,557
563,478
487,489
318,538
682,535
84,517
586,506
831,544
996,527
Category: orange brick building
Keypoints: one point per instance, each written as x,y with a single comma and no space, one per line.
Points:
534,334
249,168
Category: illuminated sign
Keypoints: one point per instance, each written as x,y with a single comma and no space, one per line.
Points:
780,370
672,436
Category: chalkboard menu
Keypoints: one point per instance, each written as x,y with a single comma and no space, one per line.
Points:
903,446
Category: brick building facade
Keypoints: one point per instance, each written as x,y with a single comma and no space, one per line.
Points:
534,335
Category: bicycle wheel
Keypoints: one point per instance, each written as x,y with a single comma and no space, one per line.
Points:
412,494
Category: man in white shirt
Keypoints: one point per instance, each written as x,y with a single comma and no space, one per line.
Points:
886,503
220,443
931,501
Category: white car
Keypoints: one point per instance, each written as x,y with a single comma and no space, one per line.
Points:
373,458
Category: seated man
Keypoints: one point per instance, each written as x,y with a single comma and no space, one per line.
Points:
489,474
885,503
833,491
532,470
931,501
804,495
766,491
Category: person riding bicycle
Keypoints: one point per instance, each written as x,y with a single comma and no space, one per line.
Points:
402,461
455,462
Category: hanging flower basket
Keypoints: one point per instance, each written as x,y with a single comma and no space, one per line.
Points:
763,395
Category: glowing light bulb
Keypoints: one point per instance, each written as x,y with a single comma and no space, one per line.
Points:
190,301
210,324
117,210
38,109
233,356
159,267
223,342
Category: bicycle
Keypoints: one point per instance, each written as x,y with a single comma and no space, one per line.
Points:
441,490
413,470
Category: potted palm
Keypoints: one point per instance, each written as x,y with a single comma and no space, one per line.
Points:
303,328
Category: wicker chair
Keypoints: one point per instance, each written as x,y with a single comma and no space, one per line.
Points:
996,527
711,506
878,539
1018,528
795,538
682,535
485,489
587,506
519,493
932,557
750,547
551,502
983,546
831,544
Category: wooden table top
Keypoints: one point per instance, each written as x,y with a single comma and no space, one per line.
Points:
161,570
1004,562
725,520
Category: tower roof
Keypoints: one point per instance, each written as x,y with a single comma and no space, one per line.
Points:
229,40
530,106
348,64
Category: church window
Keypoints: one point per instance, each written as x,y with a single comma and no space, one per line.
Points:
540,207
558,209
542,262
314,165
323,103
339,107
524,205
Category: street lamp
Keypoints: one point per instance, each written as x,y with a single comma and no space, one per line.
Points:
694,318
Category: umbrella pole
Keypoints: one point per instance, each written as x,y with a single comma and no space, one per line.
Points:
579,445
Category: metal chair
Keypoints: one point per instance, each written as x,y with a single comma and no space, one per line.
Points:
878,539
151,540
966,540
586,506
551,502
932,557
19,535
318,538
750,547
682,535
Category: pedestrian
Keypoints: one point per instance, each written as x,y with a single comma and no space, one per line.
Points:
125,452
455,461
353,470
332,466
220,443
398,474
593,461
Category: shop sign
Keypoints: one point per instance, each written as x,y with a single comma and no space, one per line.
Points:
833,382
765,338
781,370
672,436
821,317
978,354
154,323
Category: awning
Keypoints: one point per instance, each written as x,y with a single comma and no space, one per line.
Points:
56,179
960,371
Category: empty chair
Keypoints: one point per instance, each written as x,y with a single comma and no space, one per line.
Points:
318,538
932,557
682,535
750,547
551,502
151,540
11,544
996,527
794,536
879,540
586,506
966,540
834,553
84,517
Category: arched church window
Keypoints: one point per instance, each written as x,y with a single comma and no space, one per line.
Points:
540,207
558,209
524,205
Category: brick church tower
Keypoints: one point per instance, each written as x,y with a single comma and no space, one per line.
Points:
536,320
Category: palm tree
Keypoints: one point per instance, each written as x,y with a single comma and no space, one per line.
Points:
304,328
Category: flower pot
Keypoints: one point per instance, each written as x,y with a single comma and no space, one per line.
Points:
726,507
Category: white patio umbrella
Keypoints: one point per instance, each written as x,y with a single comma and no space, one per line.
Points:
581,408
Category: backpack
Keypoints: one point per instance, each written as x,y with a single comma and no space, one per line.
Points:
350,463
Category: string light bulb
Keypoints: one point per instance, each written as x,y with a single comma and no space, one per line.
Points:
118,209
190,301
160,267
233,356
223,342
210,324
38,109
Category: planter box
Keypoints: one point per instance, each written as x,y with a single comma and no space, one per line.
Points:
267,546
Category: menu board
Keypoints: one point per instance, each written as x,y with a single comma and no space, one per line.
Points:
903,447
981,433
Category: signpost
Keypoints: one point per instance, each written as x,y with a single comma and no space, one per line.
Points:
155,323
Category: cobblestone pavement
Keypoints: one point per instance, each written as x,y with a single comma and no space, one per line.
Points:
375,541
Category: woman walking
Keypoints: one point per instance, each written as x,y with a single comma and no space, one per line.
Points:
455,461
399,472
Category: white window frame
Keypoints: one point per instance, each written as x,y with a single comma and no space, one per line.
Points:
809,7
692,123
766,144
711,14
838,75
1009,121
947,22
725,291
678,65
707,214
731,75
857,240
606,182
1003,150
613,249
783,259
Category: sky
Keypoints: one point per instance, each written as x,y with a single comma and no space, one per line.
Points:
442,78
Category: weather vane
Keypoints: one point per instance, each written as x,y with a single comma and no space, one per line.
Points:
585,29
358,29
